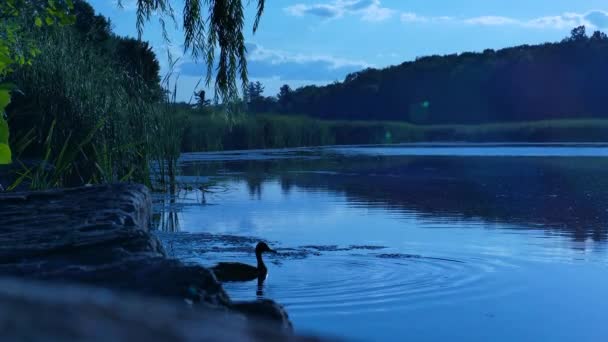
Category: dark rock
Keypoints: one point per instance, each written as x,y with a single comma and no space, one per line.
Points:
68,222
99,236
32,311
149,275
266,310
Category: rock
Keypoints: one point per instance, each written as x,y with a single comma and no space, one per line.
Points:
99,236
267,310
32,311
152,276
72,221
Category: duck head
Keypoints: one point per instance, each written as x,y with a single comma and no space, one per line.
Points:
262,247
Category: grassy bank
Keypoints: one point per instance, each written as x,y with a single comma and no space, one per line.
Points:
214,133
90,108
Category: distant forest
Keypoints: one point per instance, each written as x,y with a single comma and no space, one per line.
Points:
564,80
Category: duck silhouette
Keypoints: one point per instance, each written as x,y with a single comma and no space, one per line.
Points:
236,271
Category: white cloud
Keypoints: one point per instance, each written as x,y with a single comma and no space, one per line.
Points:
409,17
368,10
377,13
593,20
259,53
283,65
567,20
490,21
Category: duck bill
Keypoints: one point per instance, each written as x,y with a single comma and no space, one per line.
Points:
273,251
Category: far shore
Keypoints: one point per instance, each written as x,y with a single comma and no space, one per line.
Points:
268,131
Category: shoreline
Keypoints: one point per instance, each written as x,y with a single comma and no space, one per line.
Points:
99,236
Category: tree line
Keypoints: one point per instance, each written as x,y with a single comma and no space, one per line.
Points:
560,80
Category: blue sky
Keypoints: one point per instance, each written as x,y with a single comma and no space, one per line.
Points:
303,42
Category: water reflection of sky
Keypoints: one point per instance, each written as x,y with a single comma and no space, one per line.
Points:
320,217
519,270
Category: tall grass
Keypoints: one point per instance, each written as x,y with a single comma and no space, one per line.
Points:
75,95
213,133
169,126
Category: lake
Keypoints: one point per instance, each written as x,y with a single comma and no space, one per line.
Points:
413,242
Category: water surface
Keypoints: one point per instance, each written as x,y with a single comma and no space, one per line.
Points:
419,242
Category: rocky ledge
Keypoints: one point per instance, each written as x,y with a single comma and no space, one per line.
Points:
99,236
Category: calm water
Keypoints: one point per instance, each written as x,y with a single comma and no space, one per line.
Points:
424,243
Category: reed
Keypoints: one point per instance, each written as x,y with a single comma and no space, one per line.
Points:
81,100
213,133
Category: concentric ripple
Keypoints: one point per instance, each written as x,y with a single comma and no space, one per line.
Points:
355,283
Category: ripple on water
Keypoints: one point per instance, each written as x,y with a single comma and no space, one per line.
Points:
355,283
317,280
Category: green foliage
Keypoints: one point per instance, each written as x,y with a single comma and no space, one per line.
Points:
214,132
94,28
169,123
100,113
57,164
209,24
138,59
5,99
16,49
5,151
94,99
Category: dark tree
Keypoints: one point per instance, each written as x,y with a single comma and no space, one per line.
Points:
93,27
139,61
201,99
284,98
256,101
598,35
578,34
255,91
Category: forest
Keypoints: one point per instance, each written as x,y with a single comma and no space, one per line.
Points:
563,80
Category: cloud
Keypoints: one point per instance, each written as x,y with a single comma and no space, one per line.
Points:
593,20
409,17
368,10
490,21
360,5
325,11
566,20
597,18
281,65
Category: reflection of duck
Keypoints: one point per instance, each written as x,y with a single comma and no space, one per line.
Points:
236,271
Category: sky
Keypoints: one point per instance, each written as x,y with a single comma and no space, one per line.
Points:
301,42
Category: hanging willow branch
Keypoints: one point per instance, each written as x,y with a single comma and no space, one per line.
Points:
209,26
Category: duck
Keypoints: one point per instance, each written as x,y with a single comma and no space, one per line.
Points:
236,271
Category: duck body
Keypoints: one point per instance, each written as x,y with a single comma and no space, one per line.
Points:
236,271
